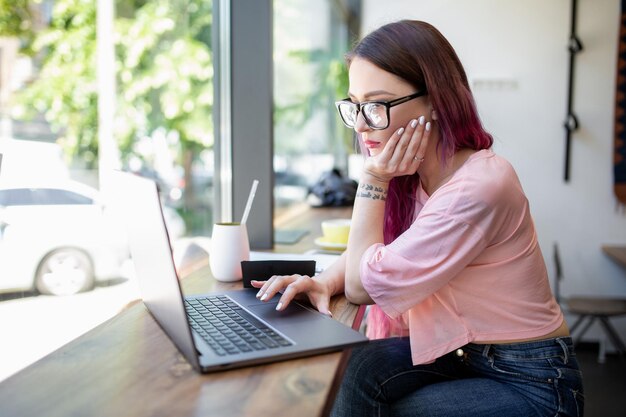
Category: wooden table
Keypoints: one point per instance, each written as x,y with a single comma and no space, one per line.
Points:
128,367
616,252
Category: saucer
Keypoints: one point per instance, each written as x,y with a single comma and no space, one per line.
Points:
323,243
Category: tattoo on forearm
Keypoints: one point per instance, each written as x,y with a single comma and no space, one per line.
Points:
372,191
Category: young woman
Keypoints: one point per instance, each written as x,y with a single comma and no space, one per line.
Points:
443,243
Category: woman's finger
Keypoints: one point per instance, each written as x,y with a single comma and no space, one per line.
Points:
421,149
300,285
390,147
322,304
315,291
263,284
401,154
275,284
405,158
380,165
417,138
257,284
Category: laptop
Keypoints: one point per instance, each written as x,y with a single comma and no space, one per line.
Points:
222,330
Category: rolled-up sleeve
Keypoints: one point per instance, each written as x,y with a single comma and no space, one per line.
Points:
419,262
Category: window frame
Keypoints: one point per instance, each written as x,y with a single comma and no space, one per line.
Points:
242,55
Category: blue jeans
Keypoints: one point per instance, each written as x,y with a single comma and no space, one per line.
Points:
505,380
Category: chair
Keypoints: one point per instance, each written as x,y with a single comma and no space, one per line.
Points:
589,309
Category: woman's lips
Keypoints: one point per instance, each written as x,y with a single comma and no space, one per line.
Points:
371,144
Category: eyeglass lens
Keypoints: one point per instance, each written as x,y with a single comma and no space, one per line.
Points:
375,114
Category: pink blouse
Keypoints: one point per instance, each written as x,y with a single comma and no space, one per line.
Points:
469,269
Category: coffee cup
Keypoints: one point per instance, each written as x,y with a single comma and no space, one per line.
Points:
229,246
336,231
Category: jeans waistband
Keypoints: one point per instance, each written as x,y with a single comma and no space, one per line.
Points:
556,347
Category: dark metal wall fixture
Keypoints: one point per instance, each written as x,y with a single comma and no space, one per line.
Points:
571,122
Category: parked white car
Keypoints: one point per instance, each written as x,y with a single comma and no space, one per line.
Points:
61,238
57,239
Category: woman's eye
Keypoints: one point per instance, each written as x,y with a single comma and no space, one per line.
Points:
376,113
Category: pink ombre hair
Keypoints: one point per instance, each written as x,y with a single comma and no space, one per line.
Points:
419,54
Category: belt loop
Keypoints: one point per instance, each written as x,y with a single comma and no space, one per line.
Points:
486,350
565,349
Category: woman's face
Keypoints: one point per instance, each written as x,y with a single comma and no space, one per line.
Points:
370,83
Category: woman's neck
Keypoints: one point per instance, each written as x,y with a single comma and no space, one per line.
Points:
434,172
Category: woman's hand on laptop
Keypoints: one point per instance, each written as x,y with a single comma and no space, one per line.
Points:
296,286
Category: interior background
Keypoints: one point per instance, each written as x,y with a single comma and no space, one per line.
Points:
516,57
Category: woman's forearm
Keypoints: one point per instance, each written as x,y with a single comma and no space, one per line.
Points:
366,229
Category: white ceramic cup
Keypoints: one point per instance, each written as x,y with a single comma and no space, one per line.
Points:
229,246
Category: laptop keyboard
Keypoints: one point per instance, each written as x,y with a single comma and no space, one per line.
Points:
228,329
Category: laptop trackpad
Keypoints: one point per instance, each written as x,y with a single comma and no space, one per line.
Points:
293,313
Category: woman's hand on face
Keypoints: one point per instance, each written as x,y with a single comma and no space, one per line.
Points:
402,153
293,286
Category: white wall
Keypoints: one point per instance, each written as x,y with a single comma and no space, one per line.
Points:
515,54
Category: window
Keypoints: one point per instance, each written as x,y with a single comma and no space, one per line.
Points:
62,197
54,221
19,197
310,40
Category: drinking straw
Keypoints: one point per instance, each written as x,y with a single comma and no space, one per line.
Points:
255,183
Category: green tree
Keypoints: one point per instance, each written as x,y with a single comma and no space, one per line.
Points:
315,75
165,77
329,83
64,89
17,20
163,69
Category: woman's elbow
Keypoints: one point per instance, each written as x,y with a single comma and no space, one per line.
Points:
356,294
353,290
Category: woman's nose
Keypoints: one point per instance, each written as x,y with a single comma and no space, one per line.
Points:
360,126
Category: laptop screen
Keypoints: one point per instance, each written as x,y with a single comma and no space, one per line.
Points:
137,202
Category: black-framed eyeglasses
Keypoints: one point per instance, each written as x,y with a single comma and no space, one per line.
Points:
375,113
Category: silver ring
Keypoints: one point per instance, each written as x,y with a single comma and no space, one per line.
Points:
415,158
